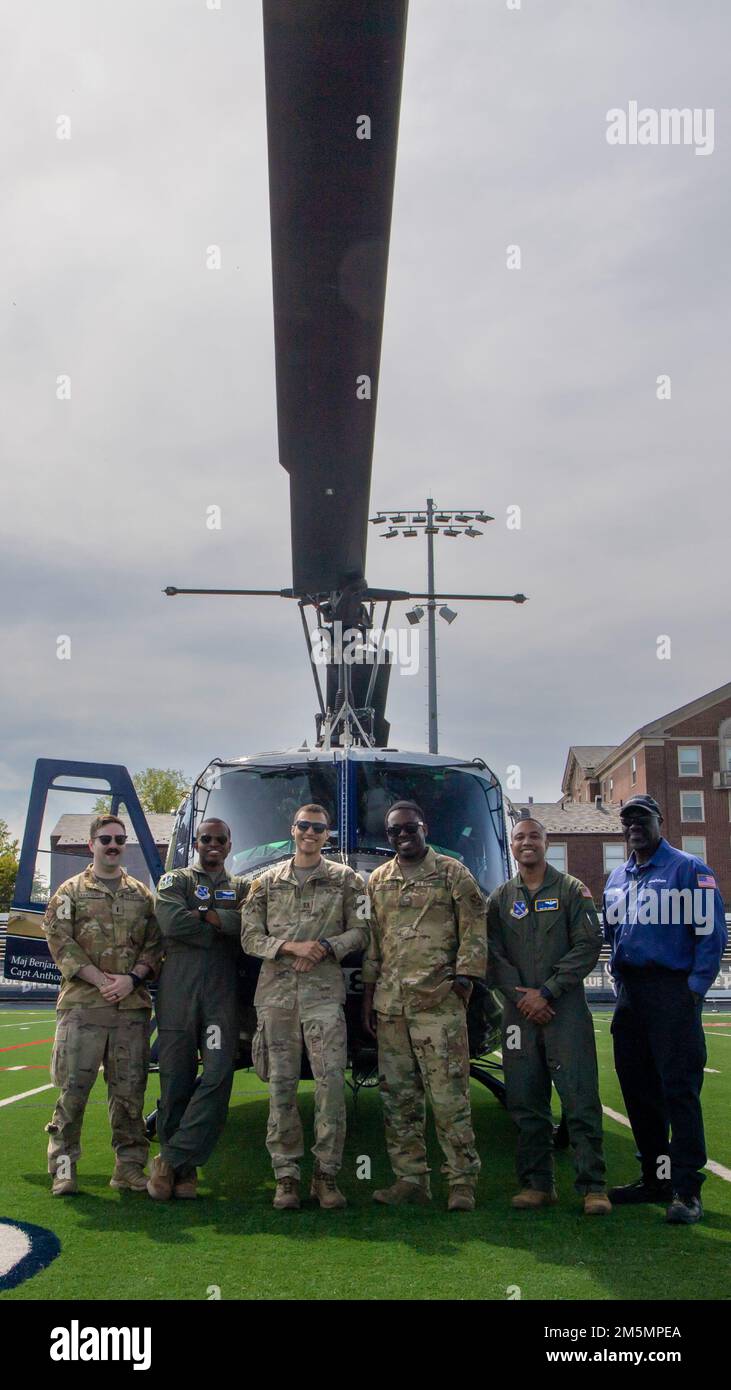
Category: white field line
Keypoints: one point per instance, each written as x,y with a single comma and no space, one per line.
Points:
712,1071
712,1167
23,1095
42,1023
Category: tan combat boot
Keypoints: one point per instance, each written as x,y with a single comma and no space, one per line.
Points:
65,1186
597,1204
404,1191
326,1190
530,1199
161,1179
287,1195
128,1177
186,1187
461,1197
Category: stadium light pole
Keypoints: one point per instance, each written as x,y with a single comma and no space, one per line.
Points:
430,519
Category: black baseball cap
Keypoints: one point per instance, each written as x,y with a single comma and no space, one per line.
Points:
645,803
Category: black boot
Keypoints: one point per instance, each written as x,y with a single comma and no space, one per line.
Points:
633,1193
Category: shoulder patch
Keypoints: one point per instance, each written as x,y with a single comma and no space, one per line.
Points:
166,880
584,891
706,880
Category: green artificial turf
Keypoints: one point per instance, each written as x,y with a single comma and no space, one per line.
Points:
124,1246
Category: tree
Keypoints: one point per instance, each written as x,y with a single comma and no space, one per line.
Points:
8,866
160,790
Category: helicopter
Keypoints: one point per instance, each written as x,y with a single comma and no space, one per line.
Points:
333,91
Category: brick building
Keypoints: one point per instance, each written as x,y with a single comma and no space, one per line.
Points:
682,759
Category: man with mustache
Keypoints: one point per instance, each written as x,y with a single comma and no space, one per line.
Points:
664,918
104,938
197,1010
428,944
301,919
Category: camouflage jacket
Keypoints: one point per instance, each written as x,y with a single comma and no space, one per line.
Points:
551,937
87,924
331,904
180,894
425,929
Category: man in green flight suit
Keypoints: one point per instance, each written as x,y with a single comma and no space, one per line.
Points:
427,945
301,919
544,938
198,910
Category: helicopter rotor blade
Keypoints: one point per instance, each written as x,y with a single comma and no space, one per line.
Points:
333,91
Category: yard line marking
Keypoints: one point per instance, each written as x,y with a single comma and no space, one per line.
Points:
712,1071
712,1167
14,1046
42,1023
24,1094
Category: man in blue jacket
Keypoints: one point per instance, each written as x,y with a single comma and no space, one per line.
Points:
664,919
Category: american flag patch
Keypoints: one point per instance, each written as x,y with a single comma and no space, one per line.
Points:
585,892
706,881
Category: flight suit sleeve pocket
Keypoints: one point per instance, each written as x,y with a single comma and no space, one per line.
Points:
260,1052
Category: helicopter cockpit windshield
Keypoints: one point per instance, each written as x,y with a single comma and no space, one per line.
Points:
461,819
259,805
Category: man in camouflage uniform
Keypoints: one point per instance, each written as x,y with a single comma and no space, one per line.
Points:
103,936
198,910
543,939
427,918
302,918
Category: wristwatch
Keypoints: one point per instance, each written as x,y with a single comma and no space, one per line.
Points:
137,980
324,942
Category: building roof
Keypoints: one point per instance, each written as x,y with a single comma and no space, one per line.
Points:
657,728
73,829
587,757
574,818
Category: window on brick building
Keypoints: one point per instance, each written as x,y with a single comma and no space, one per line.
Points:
691,806
724,735
556,856
689,761
615,855
634,769
695,844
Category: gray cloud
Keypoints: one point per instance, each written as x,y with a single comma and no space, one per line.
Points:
534,387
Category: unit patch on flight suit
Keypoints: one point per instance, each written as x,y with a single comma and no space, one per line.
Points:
166,881
202,892
519,908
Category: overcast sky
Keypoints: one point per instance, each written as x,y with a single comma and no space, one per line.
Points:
533,387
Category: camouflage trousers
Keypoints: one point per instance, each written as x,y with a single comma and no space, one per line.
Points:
427,1054
322,1026
87,1039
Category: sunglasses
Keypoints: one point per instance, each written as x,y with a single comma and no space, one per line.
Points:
107,839
408,827
315,825
209,839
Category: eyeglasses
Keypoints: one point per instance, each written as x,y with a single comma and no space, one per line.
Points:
107,839
408,827
315,825
209,839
